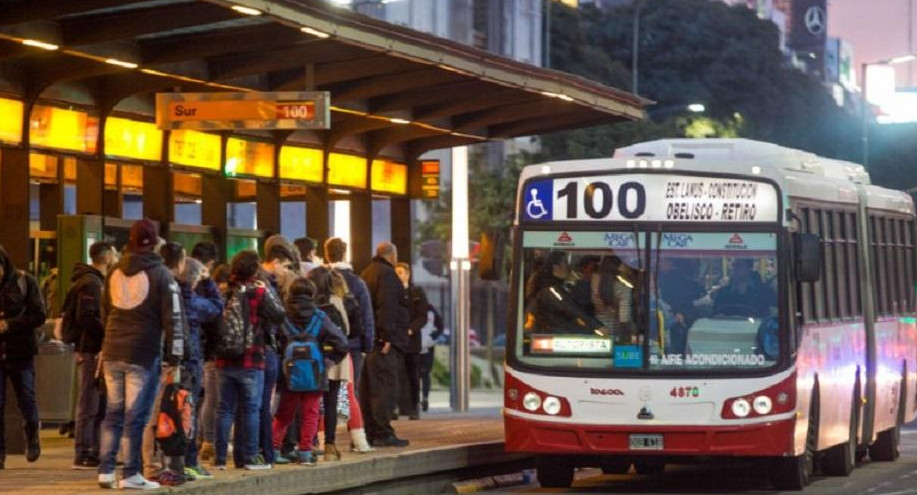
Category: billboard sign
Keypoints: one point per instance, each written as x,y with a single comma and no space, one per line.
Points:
238,110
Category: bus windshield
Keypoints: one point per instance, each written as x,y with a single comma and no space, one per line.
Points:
633,301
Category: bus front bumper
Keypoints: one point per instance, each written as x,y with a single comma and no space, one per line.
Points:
754,440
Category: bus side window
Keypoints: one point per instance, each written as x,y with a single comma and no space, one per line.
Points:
806,288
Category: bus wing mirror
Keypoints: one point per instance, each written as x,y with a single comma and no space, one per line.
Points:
808,257
491,256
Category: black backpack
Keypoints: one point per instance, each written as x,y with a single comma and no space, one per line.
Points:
354,317
236,334
70,331
333,314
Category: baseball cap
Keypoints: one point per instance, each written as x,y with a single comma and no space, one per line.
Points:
143,236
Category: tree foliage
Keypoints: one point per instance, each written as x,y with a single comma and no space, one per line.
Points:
697,51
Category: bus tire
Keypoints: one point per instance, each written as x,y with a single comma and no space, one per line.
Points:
649,467
613,465
554,471
793,473
840,459
885,448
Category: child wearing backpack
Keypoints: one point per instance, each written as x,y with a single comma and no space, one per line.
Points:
310,343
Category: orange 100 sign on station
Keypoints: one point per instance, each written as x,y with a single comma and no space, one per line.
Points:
227,111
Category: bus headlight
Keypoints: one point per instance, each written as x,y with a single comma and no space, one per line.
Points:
762,404
741,408
551,405
531,401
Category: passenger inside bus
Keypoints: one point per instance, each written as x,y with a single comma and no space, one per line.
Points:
612,295
745,294
684,296
552,308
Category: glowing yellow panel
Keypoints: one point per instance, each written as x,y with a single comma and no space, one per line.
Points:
11,121
347,170
245,157
111,175
195,149
390,177
133,139
131,177
58,128
43,167
301,164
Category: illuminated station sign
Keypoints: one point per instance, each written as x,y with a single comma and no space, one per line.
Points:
228,111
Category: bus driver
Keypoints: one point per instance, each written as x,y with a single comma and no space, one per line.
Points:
745,294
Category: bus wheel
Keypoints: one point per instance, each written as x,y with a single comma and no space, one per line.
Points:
649,466
885,449
614,465
793,473
839,460
554,471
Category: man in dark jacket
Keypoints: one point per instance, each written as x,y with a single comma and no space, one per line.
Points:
82,314
142,311
416,300
21,312
379,384
335,250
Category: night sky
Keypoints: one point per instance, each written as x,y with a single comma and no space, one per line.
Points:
878,30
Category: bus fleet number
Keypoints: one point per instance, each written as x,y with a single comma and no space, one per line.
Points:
600,205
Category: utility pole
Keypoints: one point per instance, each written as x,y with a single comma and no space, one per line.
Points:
547,34
635,49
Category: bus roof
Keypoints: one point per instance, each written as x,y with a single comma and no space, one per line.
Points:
799,174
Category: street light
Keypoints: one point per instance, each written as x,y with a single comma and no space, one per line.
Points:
865,102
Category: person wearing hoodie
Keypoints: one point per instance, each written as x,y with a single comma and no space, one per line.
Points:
83,309
242,377
21,312
379,383
202,306
277,272
301,309
141,318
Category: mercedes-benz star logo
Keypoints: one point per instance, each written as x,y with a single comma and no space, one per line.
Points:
816,20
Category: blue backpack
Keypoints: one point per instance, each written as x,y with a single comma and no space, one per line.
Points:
303,362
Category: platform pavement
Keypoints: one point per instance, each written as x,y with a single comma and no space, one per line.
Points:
440,441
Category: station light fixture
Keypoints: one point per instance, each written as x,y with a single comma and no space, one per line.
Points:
315,32
121,63
697,108
399,121
40,44
246,10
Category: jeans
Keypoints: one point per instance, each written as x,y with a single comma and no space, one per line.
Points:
379,392
412,369
426,368
196,369
211,399
131,389
90,407
265,429
22,376
289,403
245,387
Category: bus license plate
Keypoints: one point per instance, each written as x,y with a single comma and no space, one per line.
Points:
646,442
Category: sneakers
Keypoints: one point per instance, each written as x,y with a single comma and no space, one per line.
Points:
135,482
307,458
198,472
220,467
208,452
107,481
85,462
169,478
280,458
414,416
391,441
257,464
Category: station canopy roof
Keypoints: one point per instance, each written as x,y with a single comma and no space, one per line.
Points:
390,86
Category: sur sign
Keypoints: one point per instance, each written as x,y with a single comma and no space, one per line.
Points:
226,111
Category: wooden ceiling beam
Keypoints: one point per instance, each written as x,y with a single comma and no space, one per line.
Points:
393,83
19,11
511,113
248,39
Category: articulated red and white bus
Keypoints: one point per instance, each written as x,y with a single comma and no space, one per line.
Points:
696,299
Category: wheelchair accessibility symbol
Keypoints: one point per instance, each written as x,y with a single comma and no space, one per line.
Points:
535,208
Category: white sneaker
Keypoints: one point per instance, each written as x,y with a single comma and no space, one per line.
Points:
107,481
138,482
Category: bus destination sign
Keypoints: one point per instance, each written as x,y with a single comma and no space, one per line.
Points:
649,198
